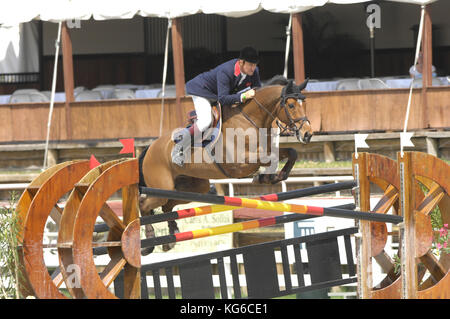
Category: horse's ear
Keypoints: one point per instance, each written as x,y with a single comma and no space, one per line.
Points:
289,87
303,85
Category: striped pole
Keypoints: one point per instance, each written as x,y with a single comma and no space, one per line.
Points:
232,228
150,242
270,205
210,209
276,197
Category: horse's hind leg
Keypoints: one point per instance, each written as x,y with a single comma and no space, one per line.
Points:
184,184
146,206
173,228
149,230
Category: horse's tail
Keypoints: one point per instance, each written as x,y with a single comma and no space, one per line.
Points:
141,159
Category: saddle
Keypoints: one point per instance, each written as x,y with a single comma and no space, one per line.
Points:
211,135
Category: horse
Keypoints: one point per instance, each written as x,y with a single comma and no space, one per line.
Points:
282,104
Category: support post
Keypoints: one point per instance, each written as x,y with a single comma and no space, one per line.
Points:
407,228
41,55
132,273
328,152
432,146
68,75
52,157
298,52
178,60
363,241
427,51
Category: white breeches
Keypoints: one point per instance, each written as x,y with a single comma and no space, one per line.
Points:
203,110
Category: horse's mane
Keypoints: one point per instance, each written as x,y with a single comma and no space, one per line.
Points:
277,80
274,89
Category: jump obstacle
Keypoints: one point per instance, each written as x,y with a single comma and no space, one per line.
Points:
90,189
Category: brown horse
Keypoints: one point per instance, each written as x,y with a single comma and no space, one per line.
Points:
271,103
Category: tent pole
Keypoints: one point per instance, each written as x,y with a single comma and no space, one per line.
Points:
288,43
298,53
163,90
372,52
66,42
427,63
178,64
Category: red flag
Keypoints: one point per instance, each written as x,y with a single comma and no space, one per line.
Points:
93,162
128,146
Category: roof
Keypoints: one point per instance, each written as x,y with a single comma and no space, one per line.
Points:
20,11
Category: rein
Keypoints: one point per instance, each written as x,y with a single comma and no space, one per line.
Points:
260,106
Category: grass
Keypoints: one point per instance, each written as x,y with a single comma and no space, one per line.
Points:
11,270
312,164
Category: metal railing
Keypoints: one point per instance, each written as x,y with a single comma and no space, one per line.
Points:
16,78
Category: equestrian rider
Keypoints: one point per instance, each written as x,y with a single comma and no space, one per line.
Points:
229,83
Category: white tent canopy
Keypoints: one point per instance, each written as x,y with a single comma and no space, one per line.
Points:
20,11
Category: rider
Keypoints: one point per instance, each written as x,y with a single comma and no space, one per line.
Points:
229,83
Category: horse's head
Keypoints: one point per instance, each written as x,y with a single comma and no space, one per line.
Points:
292,112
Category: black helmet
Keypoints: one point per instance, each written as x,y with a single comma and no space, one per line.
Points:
249,54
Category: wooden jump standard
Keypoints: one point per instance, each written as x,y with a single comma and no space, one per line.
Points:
403,183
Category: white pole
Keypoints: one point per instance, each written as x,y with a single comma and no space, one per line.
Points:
166,53
52,96
288,43
416,58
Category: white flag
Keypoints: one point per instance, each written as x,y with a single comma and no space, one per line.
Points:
360,141
405,139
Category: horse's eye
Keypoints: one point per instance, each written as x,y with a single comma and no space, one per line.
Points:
291,105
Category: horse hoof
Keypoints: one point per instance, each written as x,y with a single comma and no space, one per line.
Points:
173,229
167,247
149,231
265,179
147,250
258,179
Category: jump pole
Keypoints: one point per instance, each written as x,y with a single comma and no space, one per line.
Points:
276,197
270,205
225,229
210,209
231,228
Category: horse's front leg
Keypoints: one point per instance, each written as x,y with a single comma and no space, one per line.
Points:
272,178
291,155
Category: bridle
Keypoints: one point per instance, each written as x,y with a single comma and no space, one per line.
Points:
290,127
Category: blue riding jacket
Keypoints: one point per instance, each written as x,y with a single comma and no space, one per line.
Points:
221,83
